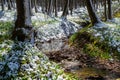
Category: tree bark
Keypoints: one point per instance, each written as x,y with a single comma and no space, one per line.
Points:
65,11
109,9
93,16
23,30
105,10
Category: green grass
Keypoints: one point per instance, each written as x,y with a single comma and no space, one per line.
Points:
5,35
5,30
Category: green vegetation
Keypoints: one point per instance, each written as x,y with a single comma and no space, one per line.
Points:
42,23
117,14
95,45
5,30
5,34
41,68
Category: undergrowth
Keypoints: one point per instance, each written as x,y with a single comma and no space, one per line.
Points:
95,45
22,61
117,14
5,30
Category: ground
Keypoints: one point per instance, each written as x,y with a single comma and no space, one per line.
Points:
74,60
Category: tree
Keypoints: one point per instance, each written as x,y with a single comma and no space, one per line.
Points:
55,6
109,9
50,8
23,30
65,11
9,4
105,10
93,16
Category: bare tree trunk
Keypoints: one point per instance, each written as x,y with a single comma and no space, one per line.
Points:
23,30
9,5
65,11
2,5
71,6
93,16
56,8
105,10
109,9
50,8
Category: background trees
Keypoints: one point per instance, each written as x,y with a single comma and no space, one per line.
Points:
52,8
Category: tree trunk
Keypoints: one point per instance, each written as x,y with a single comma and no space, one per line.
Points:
50,8
71,6
9,5
55,8
65,11
105,10
109,9
23,30
94,18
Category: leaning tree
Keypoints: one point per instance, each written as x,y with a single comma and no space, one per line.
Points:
93,16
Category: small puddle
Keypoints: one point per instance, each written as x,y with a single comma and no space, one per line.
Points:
89,71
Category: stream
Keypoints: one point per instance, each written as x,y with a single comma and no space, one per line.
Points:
61,44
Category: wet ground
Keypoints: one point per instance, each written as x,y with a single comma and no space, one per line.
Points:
75,61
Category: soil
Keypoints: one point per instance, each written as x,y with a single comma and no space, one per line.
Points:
74,60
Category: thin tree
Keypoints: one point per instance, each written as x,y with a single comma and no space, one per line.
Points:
65,10
93,16
109,9
105,10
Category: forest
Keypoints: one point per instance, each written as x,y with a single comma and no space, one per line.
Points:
59,39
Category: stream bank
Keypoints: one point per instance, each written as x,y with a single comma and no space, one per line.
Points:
76,62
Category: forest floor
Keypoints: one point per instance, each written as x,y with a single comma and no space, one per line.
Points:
75,61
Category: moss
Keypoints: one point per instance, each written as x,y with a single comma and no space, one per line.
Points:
117,14
80,38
